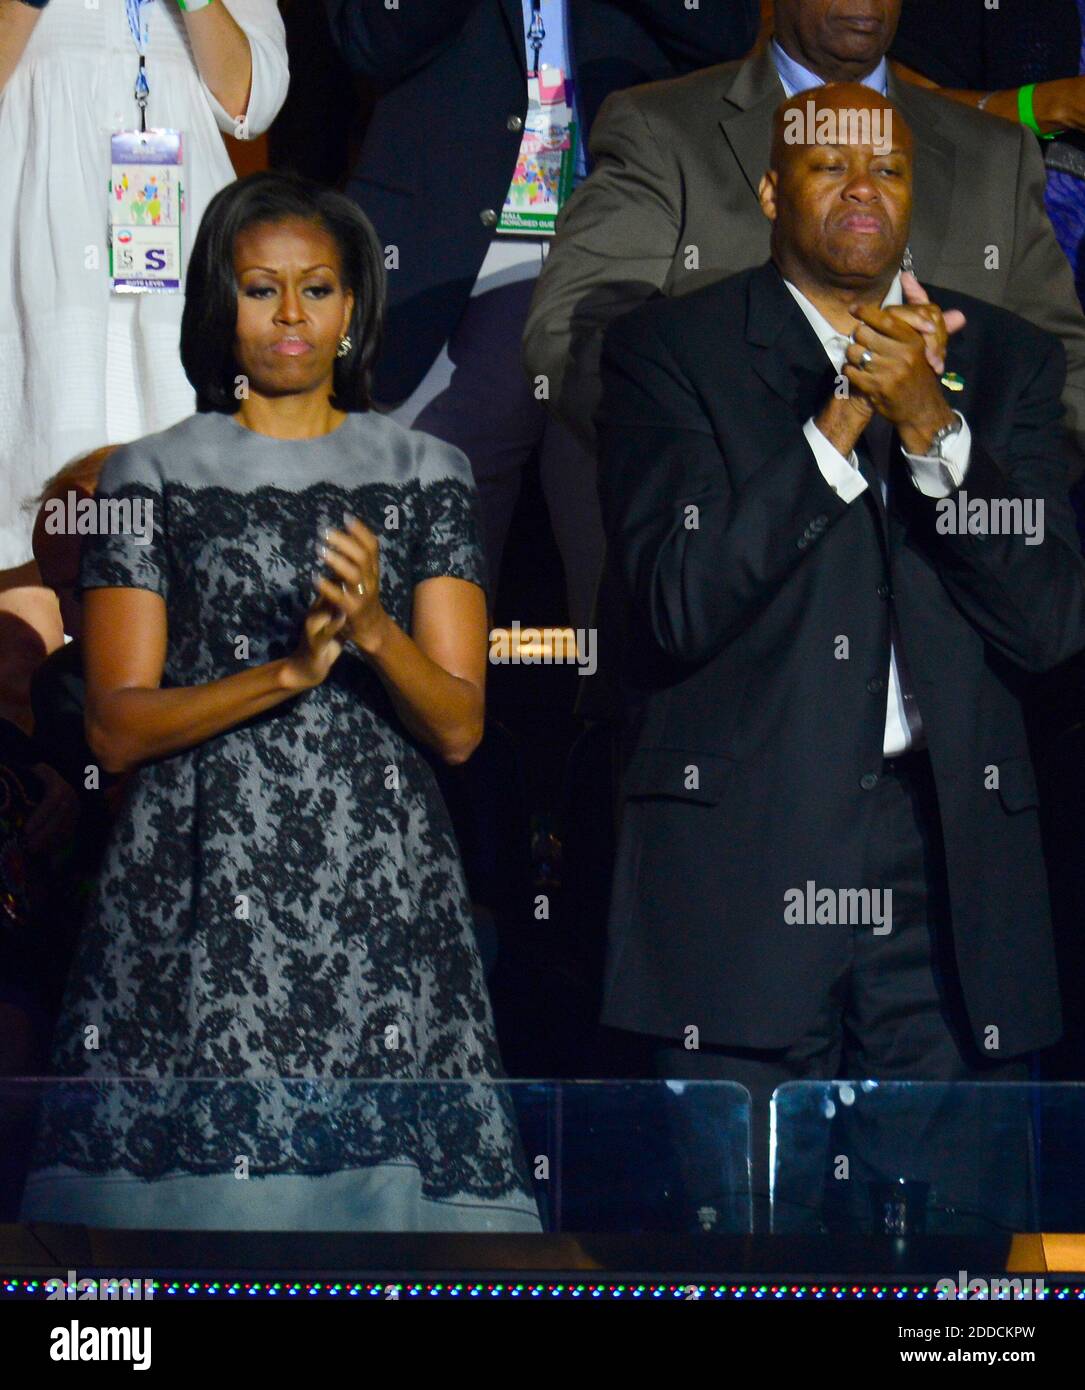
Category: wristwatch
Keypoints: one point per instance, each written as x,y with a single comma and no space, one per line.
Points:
945,434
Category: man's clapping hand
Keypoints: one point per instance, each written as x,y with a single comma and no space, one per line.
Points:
937,327
888,366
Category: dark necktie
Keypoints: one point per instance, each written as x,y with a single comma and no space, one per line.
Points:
874,452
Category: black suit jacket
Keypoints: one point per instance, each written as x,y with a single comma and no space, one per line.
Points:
753,741
439,152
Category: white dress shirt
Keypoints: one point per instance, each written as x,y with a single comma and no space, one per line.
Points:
932,476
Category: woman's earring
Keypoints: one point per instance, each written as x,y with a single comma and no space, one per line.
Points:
344,347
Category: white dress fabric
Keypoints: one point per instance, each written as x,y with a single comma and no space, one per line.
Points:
79,366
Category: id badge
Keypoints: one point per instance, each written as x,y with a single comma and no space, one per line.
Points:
146,201
543,177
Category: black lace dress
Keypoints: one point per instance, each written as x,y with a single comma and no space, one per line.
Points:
279,956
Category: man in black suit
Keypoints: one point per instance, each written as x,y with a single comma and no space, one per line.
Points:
847,546
451,119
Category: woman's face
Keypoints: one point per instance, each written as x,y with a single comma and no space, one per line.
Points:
292,307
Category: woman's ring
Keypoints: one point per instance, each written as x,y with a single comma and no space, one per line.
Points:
361,589
866,359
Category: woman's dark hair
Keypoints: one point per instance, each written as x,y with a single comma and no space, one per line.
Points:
209,318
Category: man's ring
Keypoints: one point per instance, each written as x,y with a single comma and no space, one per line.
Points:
361,589
866,359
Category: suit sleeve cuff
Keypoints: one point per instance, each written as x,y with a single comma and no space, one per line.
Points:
841,474
936,477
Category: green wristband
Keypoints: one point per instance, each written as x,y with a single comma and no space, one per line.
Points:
193,5
1027,113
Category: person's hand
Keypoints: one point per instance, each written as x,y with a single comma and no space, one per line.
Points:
897,378
319,647
354,555
55,816
1058,105
928,319
843,419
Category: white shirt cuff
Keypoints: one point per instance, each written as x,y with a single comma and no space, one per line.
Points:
842,474
935,477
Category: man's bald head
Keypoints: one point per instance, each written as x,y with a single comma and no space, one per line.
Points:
839,192
838,113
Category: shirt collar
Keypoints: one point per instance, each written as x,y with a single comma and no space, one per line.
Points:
828,336
796,78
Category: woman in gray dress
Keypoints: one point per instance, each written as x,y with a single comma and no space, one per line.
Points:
285,621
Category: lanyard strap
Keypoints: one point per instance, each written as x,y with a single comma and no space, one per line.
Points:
536,33
139,27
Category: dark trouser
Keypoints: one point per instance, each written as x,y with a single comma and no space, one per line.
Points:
894,1013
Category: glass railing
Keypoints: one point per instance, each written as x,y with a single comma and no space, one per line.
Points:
306,1155
628,1158
925,1158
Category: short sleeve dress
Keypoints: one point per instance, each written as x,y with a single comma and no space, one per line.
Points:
284,903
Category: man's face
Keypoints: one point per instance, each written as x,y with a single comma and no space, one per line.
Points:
837,38
842,211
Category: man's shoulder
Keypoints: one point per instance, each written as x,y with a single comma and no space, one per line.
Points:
673,97
996,327
675,318
959,124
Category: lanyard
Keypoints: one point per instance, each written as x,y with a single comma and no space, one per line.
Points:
536,32
140,37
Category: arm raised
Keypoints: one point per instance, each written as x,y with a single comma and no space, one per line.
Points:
130,719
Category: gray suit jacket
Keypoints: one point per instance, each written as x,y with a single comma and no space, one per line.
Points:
671,206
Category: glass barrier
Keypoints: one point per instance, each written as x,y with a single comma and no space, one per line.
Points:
629,1158
925,1158
306,1155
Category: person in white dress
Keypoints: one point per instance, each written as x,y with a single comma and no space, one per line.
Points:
82,366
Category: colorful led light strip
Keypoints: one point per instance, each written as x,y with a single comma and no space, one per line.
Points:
750,1293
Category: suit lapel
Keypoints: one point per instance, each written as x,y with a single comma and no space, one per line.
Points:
784,349
751,99
935,161
788,357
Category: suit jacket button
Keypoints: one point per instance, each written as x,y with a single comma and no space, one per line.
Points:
875,686
488,217
883,591
515,123
868,781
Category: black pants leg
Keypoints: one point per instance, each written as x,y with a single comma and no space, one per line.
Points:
893,1014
